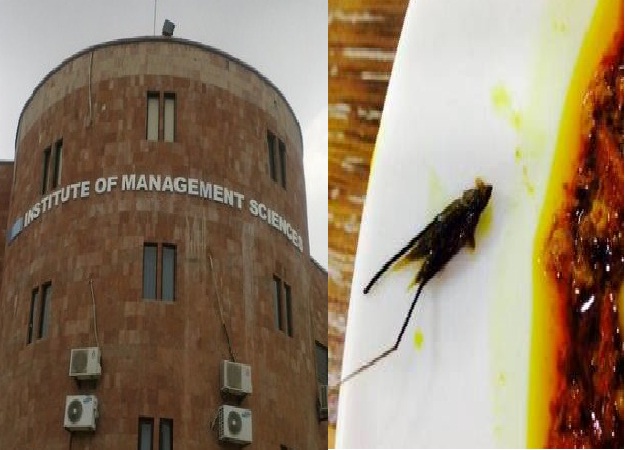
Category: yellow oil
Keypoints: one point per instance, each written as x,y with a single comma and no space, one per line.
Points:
605,22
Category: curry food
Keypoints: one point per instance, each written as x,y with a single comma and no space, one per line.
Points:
584,259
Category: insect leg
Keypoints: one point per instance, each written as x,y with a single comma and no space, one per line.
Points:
392,261
394,347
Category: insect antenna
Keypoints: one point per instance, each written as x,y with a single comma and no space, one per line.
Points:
390,262
394,347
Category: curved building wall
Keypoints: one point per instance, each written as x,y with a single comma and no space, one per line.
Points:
160,359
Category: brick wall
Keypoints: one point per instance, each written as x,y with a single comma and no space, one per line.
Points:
159,359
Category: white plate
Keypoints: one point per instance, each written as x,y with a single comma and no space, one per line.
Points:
476,91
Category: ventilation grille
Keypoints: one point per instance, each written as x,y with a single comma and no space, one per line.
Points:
235,425
236,378
233,375
84,363
74,411
80,358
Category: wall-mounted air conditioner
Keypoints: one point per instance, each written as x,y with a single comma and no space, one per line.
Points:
84,363
236,378
81,412
322,402
235,425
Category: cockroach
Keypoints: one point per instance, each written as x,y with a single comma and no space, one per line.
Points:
436,244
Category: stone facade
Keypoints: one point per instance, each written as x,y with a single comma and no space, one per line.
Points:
160,359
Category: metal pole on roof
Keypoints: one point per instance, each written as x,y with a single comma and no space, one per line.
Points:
154,27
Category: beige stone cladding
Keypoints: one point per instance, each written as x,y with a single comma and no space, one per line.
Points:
160,359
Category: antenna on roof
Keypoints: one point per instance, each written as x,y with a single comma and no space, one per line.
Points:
154,27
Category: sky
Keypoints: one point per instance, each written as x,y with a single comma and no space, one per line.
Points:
285,40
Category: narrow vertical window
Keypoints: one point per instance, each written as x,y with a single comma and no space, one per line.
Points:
46,168
168,276
169,117
44,312
152,119
287,307
166,434
146,429
271,147
321,354
58,164
31,316
149,270
277,301
282,152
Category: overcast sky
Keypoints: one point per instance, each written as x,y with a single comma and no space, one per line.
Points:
286,40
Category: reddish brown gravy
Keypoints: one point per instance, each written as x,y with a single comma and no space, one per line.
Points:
584,258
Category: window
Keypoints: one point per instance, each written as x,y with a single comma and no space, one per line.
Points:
44,312
321,355
277,159
278,288
166,434
31,317
277,301
146,427
149,270
152,117
282,149
165,285
271,146
58,164
287,307
168,275
46,167
169,117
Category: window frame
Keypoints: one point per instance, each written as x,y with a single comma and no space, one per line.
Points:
173,274
170,423
150,422
288,309
271,147
152,95
57,162
31,318
282,159
44,310
324,348
277,300
150,245
47,152
169,97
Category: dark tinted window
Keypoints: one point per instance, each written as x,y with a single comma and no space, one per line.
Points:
44,314
146,426
149,270
166,434
277,301
168,286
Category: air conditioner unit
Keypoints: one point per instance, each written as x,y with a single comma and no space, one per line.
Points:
322,402
236,378
81,412
84,363
235,425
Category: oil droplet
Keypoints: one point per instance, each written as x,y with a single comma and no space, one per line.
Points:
418,339
501,379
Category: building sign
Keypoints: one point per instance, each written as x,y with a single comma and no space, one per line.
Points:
157,183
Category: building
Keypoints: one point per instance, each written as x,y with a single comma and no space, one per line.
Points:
156,210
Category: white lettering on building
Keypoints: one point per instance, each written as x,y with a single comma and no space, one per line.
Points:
159,183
